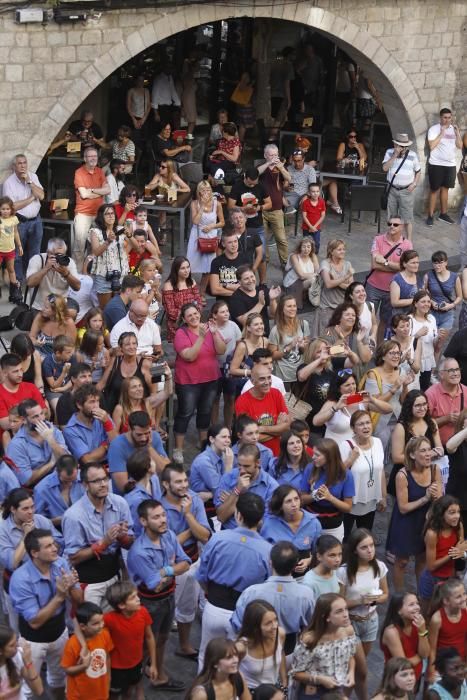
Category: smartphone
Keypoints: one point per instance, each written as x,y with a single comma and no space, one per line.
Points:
354,398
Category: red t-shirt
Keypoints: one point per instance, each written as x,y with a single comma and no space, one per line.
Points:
128,637
135,257
26,390
313,212
264,411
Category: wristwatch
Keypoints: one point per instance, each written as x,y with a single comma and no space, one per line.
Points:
386,263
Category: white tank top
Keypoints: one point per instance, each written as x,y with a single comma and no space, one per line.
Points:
257,671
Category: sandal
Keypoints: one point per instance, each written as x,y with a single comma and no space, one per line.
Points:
335,207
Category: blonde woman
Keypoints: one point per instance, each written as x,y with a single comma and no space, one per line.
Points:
337,275
165,178
207,221
252,339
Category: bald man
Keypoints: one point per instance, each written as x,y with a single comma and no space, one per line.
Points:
146,330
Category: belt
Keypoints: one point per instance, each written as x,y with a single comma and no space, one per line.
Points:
400,188
22,218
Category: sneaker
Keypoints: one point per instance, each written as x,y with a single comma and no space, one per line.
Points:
446,218
289,211
177,456
429,221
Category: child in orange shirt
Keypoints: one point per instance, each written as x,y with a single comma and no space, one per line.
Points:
88,670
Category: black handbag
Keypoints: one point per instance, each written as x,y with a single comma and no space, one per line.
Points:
387,188
22,315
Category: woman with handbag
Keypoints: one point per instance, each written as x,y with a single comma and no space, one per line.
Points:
109,254
207,220
179,289
445,289
288,340
418,484
301,271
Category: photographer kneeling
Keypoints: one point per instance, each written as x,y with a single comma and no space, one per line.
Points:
52,273
110,262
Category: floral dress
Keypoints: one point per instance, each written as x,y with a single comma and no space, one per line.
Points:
326,659
173,300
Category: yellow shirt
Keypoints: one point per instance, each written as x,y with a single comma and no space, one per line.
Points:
7,234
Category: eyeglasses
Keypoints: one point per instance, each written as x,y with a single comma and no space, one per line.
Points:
51,298
347,372
453,370
163,167
394,354
102,480
393,223
141,316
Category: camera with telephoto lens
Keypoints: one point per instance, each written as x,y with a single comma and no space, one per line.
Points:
62,259
114,279
157,371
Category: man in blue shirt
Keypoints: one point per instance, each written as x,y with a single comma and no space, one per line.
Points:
117,307
89,430
155,560
8,480
59,490
187,518
231,561
39,590
36,446
140,434
248,476
293,602
95,528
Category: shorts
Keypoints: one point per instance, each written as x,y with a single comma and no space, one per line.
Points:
227,386
441,176
101,285
427,584
381,300
400,203
11,255
162,613
444,319
366,630
123,678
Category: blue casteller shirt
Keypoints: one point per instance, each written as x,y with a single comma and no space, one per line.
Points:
235,558
48,497
30,590
83,525
343,489
276,529
81,438
292,477
11,535
206,471
178,523
293,602
120,449
28,454
146,558
264,486
137,496
8,481
265,455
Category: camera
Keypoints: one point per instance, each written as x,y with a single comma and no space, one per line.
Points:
157,370
62,259
114,279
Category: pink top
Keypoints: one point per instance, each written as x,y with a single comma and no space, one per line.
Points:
205,368
441,403
382,245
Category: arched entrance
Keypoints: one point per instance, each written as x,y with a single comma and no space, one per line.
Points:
403,108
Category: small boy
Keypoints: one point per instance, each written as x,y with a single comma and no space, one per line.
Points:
313,213
300,429
141,222
130,627
14,422
88,670
56,369
140,248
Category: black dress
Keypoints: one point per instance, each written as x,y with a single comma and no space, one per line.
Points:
114,383
429,434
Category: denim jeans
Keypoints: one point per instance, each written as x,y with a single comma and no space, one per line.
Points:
315,237
191,398
30,233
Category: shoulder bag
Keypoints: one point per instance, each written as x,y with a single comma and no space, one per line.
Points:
385,256
206,245
387,188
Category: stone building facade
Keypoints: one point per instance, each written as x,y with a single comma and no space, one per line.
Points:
413,50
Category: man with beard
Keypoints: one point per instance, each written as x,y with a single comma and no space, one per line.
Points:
187,518
155,560
95,528
140,434
90,429
80,375
115,180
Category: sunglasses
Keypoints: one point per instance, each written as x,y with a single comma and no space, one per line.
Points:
393,223
347,372
51,298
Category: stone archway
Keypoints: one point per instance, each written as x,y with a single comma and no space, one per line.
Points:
404,110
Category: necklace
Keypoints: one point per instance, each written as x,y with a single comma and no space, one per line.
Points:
371,467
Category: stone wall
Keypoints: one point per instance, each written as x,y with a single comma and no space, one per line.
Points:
413,50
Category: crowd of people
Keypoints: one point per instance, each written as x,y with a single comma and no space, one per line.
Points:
314,401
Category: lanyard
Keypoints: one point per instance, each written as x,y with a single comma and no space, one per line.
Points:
371,466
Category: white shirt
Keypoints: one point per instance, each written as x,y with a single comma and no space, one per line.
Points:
85,296
365,583
52,283
17,189
406,174
163,91
276,384
116,186
445,152
148,335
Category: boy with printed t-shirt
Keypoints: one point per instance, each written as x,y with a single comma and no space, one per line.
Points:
88,669
313,213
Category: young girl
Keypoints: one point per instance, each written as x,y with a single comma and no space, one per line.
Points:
260,646
220,678
365,586
398,681
94,321
325,657
322,578
16,666
448,625
444,542
9,238
93,353
151,292
404,632
131,399
451,666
